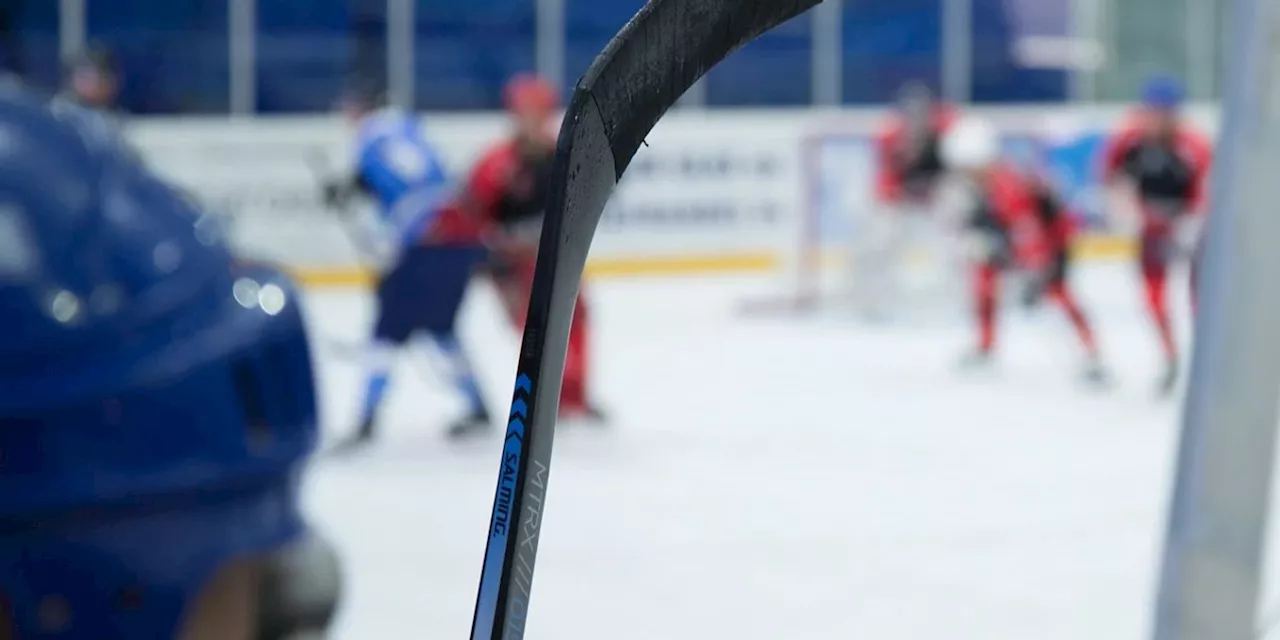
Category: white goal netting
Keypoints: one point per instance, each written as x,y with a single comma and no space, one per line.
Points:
857,257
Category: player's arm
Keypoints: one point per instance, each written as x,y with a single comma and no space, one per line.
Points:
1116,150
1188,229
1122,198
480,195
338,192
479,201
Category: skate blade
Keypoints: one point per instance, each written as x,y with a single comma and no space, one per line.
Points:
346,448
469,431
1097,382
972,365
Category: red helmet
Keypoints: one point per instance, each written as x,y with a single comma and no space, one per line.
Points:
528,92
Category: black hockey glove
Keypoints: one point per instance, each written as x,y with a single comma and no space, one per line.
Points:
336,195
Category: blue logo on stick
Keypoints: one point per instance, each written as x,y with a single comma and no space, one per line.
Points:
504,517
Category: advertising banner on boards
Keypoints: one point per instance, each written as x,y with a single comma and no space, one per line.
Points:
712,190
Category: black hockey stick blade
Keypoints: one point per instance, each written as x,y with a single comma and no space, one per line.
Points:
652,61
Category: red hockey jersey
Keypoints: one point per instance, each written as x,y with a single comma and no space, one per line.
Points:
908,170
1171,176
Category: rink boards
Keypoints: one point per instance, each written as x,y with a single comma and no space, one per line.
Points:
714,191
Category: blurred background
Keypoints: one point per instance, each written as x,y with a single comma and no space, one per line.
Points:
289,56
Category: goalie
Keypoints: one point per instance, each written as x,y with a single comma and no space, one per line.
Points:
909,170
1012,223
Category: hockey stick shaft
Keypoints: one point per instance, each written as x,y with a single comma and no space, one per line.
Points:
654,59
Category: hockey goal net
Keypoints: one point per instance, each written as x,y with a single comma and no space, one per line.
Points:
853,255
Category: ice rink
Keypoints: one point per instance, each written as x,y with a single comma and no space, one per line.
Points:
773,478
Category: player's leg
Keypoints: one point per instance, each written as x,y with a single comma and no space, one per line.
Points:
1193,278
986,289
515,289
445,272
1057,290
462,376
575,399
1154,263
573,390
394,325
512,275
514,296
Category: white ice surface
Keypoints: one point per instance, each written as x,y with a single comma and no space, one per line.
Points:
773,478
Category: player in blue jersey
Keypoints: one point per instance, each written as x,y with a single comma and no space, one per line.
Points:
156,407
432,250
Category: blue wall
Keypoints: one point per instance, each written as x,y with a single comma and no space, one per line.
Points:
175,53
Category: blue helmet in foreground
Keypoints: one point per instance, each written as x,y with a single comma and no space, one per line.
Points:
1163,92
156,399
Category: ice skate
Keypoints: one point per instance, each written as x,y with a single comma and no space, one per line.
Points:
976,359
1168,380
361,439
596,414
1095,373
475,425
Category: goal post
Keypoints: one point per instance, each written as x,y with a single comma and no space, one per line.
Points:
1212,570
844,237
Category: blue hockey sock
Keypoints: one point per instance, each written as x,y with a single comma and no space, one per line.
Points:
375,389
381,358
464,377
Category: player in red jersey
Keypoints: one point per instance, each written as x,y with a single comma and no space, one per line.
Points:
1159,165
508,190
1013,223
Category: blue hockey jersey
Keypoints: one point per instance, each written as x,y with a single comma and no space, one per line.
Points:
402,172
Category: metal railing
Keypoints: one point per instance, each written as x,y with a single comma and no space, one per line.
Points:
1096,48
